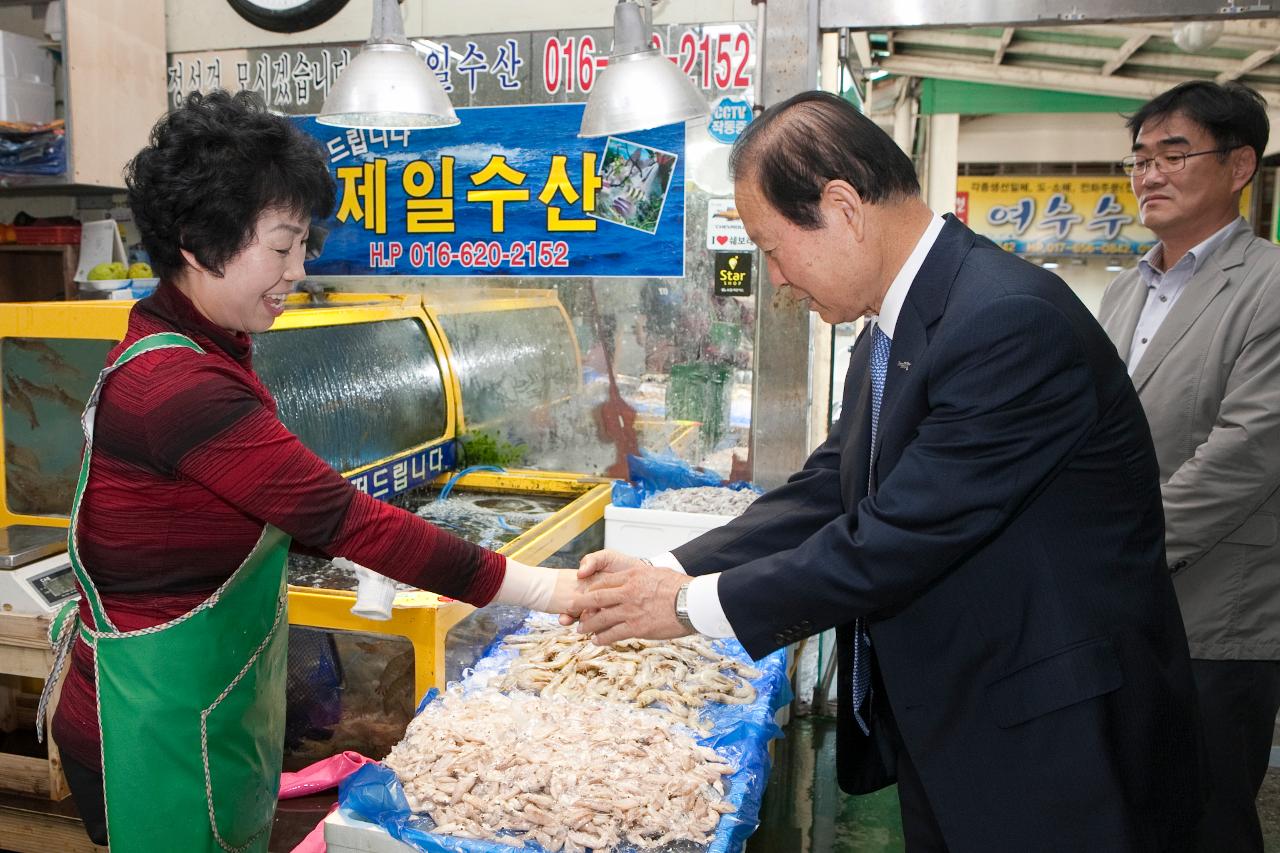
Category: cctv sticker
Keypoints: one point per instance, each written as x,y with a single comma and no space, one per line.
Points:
725,232
733,273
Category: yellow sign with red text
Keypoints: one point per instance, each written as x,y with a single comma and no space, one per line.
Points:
1047,215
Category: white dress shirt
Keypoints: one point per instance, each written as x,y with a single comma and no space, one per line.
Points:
705,611
1164,288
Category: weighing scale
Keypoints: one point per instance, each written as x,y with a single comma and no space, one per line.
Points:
35,571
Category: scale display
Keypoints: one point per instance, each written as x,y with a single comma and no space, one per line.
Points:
37,588
56,586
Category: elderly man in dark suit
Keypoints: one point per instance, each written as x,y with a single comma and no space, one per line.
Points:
983,525
1198,323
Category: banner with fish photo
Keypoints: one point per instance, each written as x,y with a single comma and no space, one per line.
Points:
508,191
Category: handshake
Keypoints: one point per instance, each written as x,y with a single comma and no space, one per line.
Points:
613,597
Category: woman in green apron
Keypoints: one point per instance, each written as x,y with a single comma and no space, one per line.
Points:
171,719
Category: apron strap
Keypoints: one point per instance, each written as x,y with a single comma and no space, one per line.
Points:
62,634
161,340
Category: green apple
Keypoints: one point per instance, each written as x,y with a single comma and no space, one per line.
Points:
112,270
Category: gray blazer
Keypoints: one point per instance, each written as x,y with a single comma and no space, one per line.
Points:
1210,384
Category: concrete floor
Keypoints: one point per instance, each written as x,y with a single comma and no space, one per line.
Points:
805,812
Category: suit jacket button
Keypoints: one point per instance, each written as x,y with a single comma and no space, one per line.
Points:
780,638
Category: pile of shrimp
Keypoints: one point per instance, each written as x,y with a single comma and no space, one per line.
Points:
680,675
570,775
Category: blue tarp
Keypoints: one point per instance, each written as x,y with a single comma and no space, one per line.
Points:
651,473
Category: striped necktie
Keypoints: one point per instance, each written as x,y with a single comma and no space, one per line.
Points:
880,344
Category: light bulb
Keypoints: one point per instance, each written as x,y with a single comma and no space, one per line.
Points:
1195,36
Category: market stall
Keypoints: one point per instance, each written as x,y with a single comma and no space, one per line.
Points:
368,383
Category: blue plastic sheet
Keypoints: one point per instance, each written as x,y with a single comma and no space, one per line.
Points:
34,152
651,473
739,733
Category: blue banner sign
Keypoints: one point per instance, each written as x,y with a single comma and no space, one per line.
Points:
388,479
508,191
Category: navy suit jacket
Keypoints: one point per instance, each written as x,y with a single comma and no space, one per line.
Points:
1005,541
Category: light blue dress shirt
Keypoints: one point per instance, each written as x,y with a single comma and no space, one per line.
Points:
1164,288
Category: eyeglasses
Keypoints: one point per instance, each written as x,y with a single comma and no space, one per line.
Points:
1166,162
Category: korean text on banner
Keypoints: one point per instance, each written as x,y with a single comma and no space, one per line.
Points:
508,191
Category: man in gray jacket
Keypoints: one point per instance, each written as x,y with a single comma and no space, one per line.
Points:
1198,324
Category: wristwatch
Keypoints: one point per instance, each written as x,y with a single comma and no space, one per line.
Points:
682,608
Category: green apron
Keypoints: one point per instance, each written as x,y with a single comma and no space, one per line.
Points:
192,711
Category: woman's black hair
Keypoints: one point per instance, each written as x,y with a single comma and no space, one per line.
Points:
212,167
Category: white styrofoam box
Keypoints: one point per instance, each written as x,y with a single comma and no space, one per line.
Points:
25,58
26,79
22,100
344,834
649,532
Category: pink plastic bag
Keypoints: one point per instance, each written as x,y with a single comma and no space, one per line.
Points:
324,774
321,776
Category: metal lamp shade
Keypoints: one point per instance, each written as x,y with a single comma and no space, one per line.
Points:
639,91
387,85
639,88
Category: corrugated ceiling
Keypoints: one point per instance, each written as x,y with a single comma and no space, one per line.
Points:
1131,60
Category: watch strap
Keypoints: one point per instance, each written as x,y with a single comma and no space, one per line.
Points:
682,608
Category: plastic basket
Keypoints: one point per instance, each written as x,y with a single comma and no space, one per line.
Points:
41,235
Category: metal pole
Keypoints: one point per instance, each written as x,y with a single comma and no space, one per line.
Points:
779,438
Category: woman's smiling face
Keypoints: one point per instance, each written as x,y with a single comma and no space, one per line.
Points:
250,293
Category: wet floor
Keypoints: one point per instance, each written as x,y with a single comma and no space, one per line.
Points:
804,810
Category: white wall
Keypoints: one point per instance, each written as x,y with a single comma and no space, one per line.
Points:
1043,138
212,24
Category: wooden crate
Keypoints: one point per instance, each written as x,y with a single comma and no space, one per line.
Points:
29,825
25,652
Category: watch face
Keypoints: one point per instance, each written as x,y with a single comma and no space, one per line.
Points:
287,16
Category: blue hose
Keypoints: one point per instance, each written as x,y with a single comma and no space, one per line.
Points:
448,487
